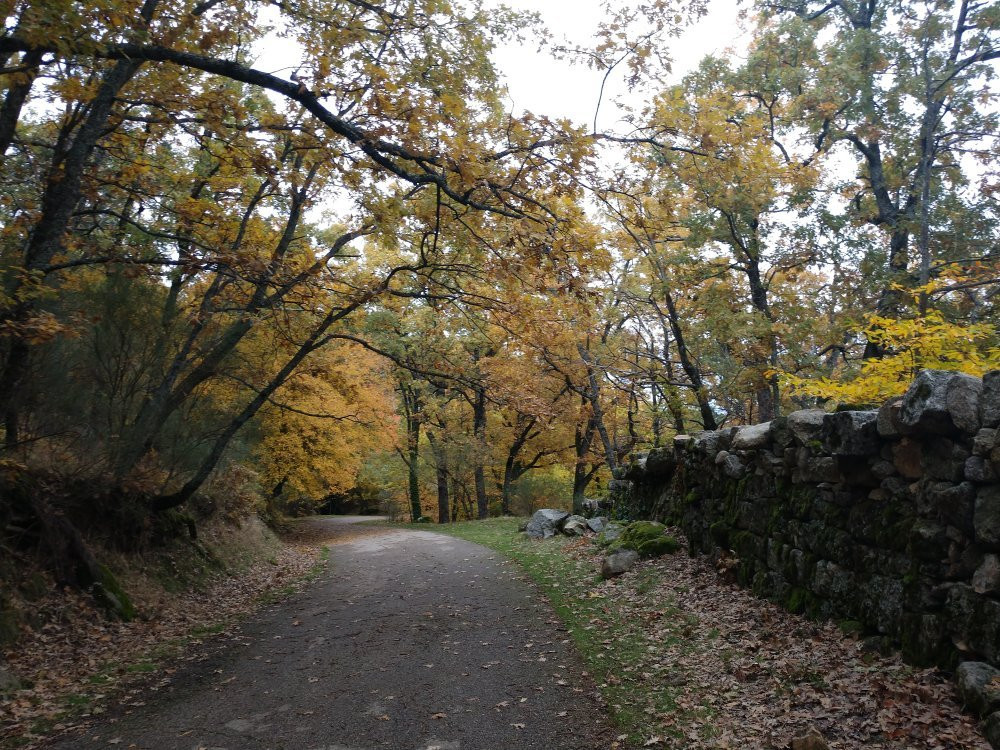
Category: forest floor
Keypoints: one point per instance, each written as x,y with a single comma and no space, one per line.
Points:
408,635
685,660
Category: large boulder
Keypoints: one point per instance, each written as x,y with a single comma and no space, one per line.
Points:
575,526
979,686
752,437
660,462
730,464
806,424
851,433
709,442
942,402
648,538
618,562
545,523
597,524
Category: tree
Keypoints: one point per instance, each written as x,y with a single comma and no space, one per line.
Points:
904,85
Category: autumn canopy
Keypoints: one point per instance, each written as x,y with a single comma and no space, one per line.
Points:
365,282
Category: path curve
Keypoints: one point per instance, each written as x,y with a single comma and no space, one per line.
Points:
409,640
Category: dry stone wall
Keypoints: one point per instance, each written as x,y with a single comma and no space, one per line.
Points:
889,518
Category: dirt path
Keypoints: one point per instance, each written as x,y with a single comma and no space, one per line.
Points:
410,640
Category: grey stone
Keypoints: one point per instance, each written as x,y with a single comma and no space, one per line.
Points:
991,729
575,526
545,523
964,396
985,441
979,686
882,602
942,402
888,424
987,516
752,436
597,524
636,468
928,541
781,434
989,401
952,503
709,442
806,424
986,579
945,459
820,469
660,462
610,533
977,470
883,469
619,562
851,433
833,582
730,464
682,442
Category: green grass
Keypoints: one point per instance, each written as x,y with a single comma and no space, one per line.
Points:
610,623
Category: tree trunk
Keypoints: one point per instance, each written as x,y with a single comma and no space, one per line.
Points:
10,112
767,396
441,469
582,475
479,430
691,369
594,397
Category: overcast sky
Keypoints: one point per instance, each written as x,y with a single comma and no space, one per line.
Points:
540,84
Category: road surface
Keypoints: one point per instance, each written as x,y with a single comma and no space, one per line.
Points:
409,640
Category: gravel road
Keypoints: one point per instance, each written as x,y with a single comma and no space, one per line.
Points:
409,640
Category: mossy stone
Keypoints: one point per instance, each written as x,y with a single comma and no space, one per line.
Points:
720,533
851,627
648,538
110,593
662,545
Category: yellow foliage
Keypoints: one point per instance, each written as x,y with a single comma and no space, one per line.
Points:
912,344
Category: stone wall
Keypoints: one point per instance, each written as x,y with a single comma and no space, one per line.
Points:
889,519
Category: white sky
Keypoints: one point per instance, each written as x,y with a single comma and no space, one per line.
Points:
545,86
540,84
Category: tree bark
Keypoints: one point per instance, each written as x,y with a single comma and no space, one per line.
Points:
479,430
441,470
